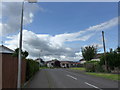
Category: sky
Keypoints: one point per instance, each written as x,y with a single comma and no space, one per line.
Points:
59,29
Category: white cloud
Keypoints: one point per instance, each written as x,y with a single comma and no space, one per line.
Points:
54,46
40,44
105,25
11,16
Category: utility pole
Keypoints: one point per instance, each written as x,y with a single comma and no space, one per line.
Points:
104,51
20,44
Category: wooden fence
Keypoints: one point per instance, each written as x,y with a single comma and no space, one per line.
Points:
10,70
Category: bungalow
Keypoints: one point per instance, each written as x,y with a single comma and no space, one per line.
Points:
97,57
50,64
62,64
82,61
65,64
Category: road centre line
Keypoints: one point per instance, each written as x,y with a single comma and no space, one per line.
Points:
92,85
72,77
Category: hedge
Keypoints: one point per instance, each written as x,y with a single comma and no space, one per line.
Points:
93,66
31,68
112,58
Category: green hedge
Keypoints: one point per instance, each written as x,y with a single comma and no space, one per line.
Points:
113,60
93,66
31,68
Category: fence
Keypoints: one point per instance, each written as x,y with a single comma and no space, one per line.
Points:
10,69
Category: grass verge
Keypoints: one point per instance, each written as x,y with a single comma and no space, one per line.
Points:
78,68
43,67
105,75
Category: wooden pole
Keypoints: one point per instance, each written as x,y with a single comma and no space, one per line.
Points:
104,51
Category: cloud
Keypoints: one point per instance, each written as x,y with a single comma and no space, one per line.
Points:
50,47
44,45
11,16
105,25
86,34
38,44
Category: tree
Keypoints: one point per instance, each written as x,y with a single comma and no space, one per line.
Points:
113,59
56,63
24,54
118,49
89,52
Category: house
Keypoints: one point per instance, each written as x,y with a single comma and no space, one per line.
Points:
8,68
50,64
4,49
65,64
40,61
82,61
97,57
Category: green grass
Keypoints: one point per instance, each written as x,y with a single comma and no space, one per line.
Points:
78,68
105,75
46,68
43,67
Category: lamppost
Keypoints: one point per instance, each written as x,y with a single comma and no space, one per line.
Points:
20,44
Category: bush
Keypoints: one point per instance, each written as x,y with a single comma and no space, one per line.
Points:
31,68
113,60
93,66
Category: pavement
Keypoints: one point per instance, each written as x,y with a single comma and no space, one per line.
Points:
66,78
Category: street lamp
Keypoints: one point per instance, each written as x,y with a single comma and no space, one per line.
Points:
20,45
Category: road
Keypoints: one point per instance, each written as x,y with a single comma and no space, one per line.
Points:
66,78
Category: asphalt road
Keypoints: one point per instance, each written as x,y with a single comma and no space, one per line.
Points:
65,78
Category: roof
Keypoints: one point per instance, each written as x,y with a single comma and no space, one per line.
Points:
98,55
4,49
82,59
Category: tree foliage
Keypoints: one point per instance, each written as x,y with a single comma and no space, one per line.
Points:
112,58
89,52
24,53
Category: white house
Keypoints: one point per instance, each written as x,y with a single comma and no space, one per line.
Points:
65,64
82,61
50,64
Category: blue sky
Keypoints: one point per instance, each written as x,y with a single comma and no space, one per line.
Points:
71,17
59,27
68,17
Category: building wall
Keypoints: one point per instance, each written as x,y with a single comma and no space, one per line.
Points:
0,71
10,70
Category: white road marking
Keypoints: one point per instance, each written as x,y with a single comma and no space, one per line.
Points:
92,86
71,77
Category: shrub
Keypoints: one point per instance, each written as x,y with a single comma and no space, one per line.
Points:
31,68
93,66
112,58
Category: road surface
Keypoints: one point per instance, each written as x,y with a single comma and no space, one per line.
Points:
66,78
